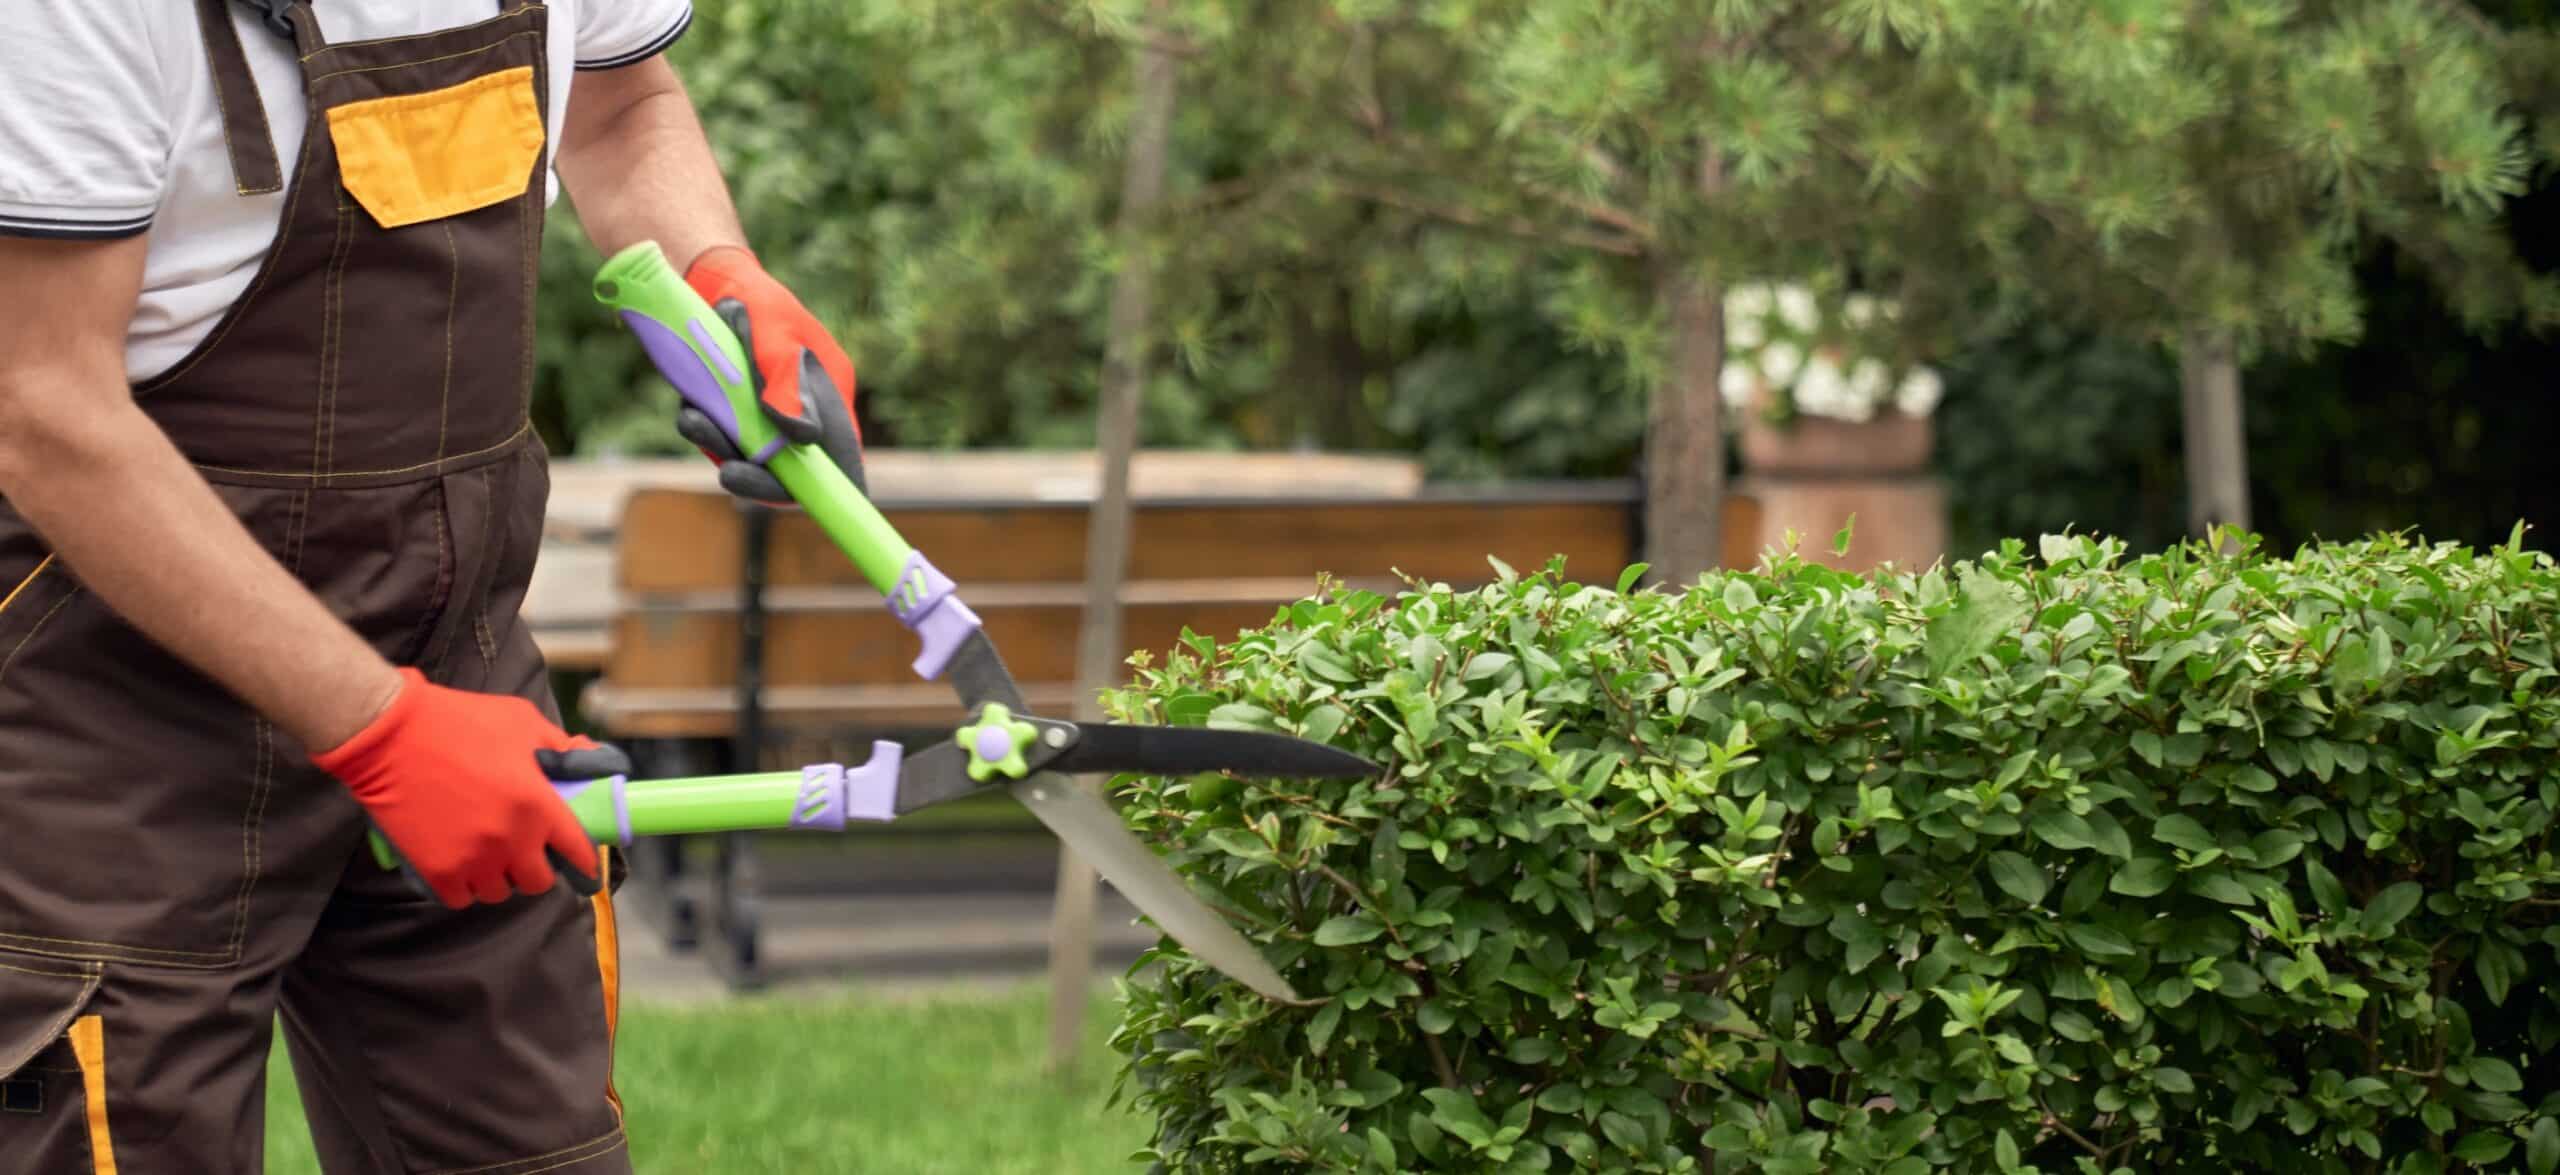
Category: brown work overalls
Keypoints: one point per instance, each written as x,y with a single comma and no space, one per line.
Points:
172,869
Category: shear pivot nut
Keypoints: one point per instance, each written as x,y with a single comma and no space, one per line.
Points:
995,743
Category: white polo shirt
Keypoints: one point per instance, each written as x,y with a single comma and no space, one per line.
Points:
109,128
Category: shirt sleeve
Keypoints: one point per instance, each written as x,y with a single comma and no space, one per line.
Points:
84,119
616,33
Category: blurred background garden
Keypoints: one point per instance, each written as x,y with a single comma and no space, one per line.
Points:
1943,273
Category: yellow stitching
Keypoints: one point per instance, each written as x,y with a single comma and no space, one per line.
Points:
341,474
251,844
452,299
502,17
12,658
203,958
12,597
333,354
491,47
593,1146
83,973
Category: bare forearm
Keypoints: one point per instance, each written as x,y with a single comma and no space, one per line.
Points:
637,167
125,513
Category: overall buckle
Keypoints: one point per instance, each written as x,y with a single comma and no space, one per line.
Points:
274,12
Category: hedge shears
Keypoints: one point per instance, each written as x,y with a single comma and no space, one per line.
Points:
1000,746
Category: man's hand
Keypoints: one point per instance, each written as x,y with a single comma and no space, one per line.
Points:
498,836
803,379
634,160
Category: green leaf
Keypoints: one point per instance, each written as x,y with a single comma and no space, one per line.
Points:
1533,1050
2483,1146
2179,830
2004,1151
1628,577
2020,877
1320,1029
2063,829
2494,1075
2173,1080
1840,538
2102,941
1985,611
2383,914
1346,929
2222,887
2542,1147
2326,890
2144,877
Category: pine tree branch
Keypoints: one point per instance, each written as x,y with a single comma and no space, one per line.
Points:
1521,227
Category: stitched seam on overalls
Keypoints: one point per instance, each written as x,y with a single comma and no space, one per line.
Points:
91,971
493,551
417,647
591,1148
343,474
118,952
32,630
452,301
491,47
333,347
504,14
90,977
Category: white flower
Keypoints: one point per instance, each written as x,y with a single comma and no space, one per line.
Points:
1796,308
1751,301
1860,310
1779,362
1738,380
1919,393
1870,381
1824,391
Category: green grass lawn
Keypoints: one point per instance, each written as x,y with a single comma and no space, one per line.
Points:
839,1084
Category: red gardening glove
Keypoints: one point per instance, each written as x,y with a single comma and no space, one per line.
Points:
459,783
803,378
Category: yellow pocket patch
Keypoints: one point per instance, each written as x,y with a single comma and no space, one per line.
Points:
420,157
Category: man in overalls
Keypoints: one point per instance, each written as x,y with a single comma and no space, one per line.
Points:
269,500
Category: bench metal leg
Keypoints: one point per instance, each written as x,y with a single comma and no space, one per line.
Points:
734,902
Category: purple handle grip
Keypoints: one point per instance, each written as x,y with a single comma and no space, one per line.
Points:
832,793
685,366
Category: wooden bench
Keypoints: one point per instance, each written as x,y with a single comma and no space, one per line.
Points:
742,639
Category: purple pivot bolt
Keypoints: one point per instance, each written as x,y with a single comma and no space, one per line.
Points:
994,744
924,602
831,793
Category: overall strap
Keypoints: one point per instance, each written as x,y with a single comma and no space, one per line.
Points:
254,169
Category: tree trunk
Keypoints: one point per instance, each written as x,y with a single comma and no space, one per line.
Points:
1684,441
2216,443
1099,653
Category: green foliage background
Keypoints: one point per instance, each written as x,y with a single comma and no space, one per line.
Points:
937,179
2064,862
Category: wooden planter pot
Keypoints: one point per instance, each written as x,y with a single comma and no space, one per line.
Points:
1814,473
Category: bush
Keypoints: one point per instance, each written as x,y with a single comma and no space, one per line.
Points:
2197,862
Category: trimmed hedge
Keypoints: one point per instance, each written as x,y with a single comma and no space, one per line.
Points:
2197,862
